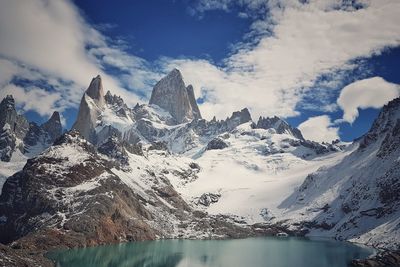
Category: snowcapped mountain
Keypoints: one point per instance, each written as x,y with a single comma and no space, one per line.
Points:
20,139
358,198
73,192
171,94
159,170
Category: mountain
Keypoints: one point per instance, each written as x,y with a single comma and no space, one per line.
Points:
76,196
358,198
279,125
90,108
28,137
171,94
159,170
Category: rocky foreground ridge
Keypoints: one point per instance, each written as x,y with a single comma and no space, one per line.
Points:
160,170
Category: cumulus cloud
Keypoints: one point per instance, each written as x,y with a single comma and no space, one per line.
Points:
368,93
32,98
320,129
289,45
50,42
304,42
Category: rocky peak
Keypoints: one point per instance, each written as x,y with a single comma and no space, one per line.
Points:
193,103
8,114
386,127
170,94
53,126
280,126
7,143
114,100
242,116
95,91
91,106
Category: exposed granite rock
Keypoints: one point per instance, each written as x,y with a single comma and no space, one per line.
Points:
114,149
159,146
387,124
90,108
7,143
193,103
238,117
207,199
170,94
8,112
216,143
53,126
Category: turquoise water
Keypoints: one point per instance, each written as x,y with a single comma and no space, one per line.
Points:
251,252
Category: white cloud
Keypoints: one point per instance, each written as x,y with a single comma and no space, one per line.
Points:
49,40
307,40
295,44
368,93
319,129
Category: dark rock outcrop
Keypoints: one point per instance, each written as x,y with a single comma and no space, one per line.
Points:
207,199
7,143
53,126
114,149
216,143
13,126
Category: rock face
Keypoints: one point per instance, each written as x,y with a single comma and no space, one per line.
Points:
90,108
171,94
53,126
279,125
7,143
216,143
8,115
193,103
14,126
8,112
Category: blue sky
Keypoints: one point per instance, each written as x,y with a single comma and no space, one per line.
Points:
315,64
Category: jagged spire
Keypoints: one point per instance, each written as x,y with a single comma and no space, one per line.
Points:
53,126
95,91
193,103
88,113
171,94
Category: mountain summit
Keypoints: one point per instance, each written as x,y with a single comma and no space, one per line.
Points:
90,108
171,94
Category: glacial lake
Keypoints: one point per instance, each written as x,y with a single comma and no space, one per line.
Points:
250,252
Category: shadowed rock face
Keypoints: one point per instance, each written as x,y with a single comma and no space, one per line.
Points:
193,103
14,126
170,94
96,92
53,126
90,108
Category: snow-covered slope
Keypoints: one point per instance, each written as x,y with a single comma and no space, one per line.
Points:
357,199
252,175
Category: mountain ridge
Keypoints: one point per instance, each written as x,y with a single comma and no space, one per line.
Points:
142,173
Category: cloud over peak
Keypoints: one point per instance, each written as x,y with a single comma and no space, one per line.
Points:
368,93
